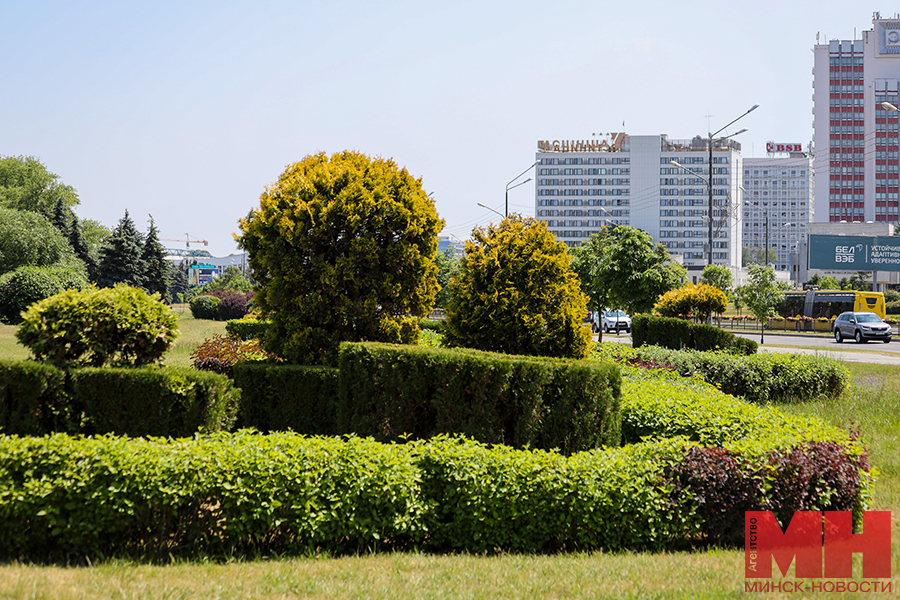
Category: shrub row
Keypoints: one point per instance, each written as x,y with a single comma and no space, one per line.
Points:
408,392
748,456
64,498
247,329
760,378
221,305
680,334
393,391
38,399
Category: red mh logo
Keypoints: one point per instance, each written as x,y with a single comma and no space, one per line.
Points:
823,547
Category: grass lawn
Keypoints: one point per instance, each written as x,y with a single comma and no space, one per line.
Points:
872,405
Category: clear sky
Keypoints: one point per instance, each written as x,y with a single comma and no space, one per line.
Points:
186,110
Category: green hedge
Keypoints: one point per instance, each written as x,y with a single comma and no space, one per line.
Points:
247,329
33,400
288,397
205,307
679,334
67,498
394,392
759,378
38,399
432,325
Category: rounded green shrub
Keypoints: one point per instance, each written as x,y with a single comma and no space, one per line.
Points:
205,307
119,326
26,285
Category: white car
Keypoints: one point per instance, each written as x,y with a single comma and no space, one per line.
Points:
607,320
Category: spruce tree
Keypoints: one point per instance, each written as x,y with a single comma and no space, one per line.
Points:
60,217
120,256
156,267
82,249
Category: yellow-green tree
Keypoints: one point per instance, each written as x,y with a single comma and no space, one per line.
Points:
343,249
516,293
698,301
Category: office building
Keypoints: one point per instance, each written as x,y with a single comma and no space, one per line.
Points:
856,144
778,204
630,180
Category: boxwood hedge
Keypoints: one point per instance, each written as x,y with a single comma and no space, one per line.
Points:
760,378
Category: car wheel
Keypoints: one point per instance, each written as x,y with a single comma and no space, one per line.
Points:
859,337
837,336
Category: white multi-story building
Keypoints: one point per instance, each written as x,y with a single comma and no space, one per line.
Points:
779,195
630,180
856,139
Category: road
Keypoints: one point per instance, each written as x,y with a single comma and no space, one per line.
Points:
799,343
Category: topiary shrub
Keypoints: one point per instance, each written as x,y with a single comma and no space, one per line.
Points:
205,307
516,293
220,353
247,328
26,285
119,326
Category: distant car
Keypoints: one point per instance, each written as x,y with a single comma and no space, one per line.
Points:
606,320
862,327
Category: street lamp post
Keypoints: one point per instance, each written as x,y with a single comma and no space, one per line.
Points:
510,185
490,209
709,181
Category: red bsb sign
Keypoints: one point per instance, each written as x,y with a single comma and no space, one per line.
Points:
817,555
774,147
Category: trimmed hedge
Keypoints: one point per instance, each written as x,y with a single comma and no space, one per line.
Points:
288,397
33,400
240,494
398,392
247,329
39,399
205,307
759,378
679,334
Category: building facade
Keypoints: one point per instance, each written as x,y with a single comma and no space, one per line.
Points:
778,205
630,180
856,138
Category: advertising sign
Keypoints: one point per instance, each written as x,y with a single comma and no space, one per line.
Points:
854,253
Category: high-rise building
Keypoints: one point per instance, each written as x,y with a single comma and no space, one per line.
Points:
630,180
778,206
856,144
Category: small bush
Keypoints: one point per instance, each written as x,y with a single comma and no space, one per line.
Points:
431,325
26,285
233,306
205,307
246,328
119,326
220,353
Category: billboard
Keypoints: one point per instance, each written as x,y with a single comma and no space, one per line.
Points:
854,253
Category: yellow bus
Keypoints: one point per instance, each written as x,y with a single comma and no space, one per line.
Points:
830,303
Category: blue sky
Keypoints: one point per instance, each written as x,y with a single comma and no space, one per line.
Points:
187,110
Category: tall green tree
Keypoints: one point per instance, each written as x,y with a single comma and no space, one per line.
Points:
762,293
121,256
26,184
156,267
82,249
343,249
29,239
635,271
587,259
718,276
516,293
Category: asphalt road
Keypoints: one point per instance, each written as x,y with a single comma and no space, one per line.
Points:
799,343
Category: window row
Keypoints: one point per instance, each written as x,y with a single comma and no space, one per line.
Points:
618,160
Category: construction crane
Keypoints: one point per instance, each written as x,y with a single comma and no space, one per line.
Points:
187,240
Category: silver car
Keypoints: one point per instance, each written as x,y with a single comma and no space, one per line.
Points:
610,319
862,327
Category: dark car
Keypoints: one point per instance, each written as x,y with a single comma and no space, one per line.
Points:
862,327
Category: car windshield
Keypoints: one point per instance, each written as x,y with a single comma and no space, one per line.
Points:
868,318
616,313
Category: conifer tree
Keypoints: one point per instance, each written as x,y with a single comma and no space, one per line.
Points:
82,249
120,256
60,216
156,267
